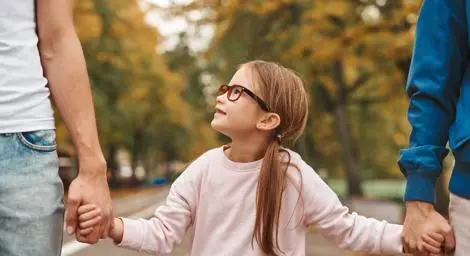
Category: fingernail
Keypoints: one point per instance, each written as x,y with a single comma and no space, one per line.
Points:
69,230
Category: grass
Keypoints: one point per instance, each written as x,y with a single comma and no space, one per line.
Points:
383,189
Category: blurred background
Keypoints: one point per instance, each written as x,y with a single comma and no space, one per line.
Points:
154,66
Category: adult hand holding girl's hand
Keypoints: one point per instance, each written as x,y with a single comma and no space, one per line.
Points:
89,219
422,226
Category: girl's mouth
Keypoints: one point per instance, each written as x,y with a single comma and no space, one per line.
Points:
219,111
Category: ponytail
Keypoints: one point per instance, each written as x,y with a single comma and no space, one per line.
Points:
268,200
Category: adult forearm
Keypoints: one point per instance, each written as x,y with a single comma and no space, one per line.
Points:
438,65
65,68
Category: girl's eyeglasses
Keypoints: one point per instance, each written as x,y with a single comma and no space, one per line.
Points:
235,91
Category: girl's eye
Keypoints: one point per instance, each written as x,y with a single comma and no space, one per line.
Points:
237,90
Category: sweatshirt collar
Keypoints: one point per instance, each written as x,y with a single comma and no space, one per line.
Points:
238,166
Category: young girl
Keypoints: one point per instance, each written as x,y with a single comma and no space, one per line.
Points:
253,196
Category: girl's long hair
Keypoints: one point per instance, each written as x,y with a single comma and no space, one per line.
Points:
285,95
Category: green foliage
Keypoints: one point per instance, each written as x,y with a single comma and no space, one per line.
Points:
141,105
351,55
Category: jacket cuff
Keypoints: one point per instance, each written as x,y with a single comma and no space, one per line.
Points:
420,188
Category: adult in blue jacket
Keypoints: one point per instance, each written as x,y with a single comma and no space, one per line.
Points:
439,89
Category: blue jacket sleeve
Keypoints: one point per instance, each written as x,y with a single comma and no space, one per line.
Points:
436,71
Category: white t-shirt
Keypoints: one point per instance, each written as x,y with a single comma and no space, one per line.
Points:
24,96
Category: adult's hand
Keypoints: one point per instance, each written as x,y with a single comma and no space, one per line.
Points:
90,187
421,218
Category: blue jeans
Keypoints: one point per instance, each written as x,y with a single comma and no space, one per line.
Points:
31,195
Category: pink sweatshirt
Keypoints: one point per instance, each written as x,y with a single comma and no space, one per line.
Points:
218,197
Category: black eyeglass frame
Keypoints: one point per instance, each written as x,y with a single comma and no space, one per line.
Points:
225,88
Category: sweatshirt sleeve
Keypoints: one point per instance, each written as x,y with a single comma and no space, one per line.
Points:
159,234
351,231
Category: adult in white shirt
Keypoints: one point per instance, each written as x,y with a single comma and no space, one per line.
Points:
41,56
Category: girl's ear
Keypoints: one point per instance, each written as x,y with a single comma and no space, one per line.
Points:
269,121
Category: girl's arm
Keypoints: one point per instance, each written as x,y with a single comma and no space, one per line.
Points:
351,231
170,222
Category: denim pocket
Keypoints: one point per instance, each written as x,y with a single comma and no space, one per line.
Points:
43,140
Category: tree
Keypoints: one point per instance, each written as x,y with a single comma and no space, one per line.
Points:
350,54
138,100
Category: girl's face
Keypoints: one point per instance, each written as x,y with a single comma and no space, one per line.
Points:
238,119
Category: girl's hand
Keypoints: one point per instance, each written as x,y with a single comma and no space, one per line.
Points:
89,217
433,243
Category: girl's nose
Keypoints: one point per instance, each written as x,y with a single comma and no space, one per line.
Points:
221,98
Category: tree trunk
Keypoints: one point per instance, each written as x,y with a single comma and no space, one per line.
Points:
442,193
111,164
348,151
137,150
442,198
344,131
